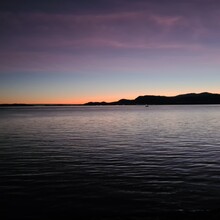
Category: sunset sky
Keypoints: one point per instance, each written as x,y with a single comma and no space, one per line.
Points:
63,51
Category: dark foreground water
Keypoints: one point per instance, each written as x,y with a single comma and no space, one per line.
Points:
112,162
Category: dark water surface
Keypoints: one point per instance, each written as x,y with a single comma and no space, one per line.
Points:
109,162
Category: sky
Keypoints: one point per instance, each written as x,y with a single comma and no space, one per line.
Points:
63,51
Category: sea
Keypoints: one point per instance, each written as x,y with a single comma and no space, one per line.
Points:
110,162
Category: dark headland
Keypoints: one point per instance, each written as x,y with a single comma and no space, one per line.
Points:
204,98
184,99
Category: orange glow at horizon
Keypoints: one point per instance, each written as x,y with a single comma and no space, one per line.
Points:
95,98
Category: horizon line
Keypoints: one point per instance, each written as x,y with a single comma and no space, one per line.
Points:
78,104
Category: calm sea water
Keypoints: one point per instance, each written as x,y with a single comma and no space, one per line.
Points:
109,160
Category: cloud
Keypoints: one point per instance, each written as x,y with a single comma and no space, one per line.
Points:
60,29
167,20
127,28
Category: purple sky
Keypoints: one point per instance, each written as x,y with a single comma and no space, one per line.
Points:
79,51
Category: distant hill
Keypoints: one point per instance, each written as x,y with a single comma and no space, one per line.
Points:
184,99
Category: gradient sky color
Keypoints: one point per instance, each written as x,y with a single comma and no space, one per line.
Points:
65,51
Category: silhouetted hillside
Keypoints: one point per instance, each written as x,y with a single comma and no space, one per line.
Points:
185,99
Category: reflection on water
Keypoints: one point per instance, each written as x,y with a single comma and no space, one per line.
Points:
109,161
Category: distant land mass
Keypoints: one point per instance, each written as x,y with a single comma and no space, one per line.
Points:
184,99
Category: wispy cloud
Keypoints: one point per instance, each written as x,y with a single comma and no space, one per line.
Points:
140,28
